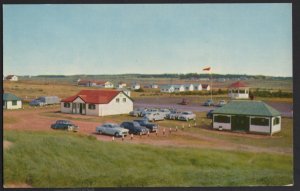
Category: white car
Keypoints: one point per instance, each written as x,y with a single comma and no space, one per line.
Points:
186,116
154,116
143,113
173,115
112,129
165,111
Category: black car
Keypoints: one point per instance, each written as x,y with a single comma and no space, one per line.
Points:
209,114
64,125
134,127
145,123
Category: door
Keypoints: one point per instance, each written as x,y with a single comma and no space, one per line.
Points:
240,123
81,108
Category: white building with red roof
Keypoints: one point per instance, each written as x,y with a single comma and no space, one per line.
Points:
97,103
238,90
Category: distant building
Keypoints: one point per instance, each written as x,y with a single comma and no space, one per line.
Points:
247,116
197,87
121,85
135,86
188,87
10,101
95,83
238,90
97,103
205,87
204,79
172,88
125,90
11,78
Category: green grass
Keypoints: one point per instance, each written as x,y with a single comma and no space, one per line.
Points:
62,159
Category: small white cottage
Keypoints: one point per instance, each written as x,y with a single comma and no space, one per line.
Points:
166,88
135,86
206,87
11,78
197,87
248,116
10,101
188,87
97,103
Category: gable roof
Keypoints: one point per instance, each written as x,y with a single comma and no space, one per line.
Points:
204,86
95,96
247,107
10,97
9,77
238,84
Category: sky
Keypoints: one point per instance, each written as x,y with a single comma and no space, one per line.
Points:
254,39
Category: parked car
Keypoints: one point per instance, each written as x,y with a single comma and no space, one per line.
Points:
45,100
184,102
143,113
209,114
221,103
173,115
137,112
154,116
134,127
112,129
145,123
65,125
208,102
186,116
165,112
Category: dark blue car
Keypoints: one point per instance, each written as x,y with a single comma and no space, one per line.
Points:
145,123
209,114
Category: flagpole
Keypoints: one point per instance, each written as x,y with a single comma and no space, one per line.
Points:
211,86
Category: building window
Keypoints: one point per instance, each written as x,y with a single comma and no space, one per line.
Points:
67,105
221,119
260,121
117,100
124,99
276,121
14,102
92,106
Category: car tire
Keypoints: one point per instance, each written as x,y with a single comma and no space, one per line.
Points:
117,134
100,132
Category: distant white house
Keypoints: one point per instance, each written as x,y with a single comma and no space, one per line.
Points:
197,87
121,85
167,88
205,87
11,78
204,79
98,103
10,101
172,88
188,87
135,86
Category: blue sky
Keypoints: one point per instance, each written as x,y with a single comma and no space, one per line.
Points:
116,39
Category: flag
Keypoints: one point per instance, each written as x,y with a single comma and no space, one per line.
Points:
206,69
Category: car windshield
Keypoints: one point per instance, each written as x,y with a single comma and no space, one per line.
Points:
185,113
136,124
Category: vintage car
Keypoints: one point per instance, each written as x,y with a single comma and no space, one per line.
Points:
186,116
65,125
112,129
134,127
145,123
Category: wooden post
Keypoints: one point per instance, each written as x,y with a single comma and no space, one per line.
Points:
148,134
140,134
170,131
131,136
189,125
195,124
182,127
113,138
122,137
164,130
156,132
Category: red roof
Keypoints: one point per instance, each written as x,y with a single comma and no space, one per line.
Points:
238,85
94,96
9,77
204,86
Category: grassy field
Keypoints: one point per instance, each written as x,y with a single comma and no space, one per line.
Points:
61,159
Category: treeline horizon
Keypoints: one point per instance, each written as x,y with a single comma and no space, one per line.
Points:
167,75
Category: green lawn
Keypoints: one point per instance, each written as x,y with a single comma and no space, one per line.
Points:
62,159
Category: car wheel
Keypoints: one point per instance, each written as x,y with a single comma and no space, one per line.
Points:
117,134
100,132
